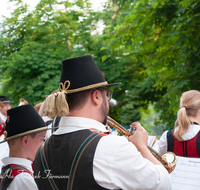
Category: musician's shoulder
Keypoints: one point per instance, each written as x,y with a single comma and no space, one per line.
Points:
114,140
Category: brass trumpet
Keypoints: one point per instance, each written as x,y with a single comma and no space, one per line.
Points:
167,159
22,102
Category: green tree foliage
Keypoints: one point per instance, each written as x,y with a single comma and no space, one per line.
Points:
34,43
148,117
160,41
152,47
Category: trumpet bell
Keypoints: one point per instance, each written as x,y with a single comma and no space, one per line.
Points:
170,159
22,102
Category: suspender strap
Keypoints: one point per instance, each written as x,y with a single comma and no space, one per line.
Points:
46,167
198,144
170,141
48,122
17,170
77,157
55,123
74,165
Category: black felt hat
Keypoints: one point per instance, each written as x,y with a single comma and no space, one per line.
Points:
5,100
21,121
80,74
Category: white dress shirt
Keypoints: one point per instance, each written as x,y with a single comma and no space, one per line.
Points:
117,162
191,133
23,181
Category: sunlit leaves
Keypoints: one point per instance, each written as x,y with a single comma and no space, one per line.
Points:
34,43
164,37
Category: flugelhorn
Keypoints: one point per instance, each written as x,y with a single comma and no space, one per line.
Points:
22,102
167,159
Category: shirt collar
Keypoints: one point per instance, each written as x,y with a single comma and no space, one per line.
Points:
19,161
46,118
70,124
191,132
3,117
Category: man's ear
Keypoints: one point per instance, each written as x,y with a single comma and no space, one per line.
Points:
24,140
96,96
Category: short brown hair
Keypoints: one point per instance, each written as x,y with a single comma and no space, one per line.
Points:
77,100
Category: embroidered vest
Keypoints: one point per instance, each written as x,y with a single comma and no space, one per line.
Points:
190,148
60,151
9,172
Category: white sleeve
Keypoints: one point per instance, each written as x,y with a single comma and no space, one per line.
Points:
162,144
23,181
119,165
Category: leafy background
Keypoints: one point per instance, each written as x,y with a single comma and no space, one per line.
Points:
152,47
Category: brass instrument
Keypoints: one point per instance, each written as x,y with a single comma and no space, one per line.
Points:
167,159
22,102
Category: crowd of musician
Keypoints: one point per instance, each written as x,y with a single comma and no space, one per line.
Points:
64,142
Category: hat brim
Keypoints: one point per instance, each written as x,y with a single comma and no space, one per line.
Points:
7,101
90,87
27,133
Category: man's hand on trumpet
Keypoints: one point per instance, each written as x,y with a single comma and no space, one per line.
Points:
140,139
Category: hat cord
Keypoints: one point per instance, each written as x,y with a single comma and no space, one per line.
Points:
56,104
62,86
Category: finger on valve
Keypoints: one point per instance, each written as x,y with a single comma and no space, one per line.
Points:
140,137
136,125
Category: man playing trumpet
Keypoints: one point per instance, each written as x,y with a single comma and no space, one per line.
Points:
79,155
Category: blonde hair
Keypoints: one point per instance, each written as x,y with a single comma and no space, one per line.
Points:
189,106
41,110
